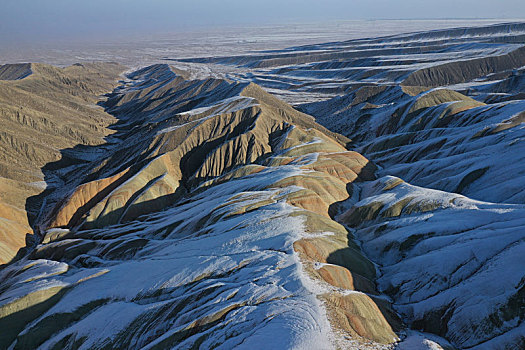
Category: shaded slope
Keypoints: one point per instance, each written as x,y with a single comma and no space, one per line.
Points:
207,224
435,58
465,71
438,260
15,71
439,139
184,149
207,219
452,265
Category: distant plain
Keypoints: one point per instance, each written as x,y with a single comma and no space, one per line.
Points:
136,51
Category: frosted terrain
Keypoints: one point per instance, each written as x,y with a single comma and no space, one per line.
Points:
362,193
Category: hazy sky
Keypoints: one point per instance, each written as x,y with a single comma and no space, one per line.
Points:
51,20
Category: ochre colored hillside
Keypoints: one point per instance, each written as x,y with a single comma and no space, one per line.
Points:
44,110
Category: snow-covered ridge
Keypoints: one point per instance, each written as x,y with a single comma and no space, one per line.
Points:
199,225
218,216
443,110
434,58
454,266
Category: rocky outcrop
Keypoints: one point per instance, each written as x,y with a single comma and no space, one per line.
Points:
465,71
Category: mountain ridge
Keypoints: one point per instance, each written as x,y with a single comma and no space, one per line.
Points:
310,171
211,213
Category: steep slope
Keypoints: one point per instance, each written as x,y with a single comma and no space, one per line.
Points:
451,264
465,71
15,71
454,266
205,224
467,56
43,110
439,139
443,110
218,216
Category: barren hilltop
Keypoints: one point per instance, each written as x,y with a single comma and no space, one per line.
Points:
362,194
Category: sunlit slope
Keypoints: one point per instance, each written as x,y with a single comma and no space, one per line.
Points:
443,110
216,215
43,110
438,138
207,224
